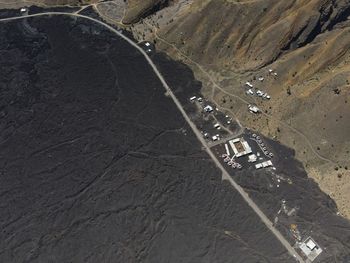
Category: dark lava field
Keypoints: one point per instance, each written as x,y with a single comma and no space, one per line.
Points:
97,164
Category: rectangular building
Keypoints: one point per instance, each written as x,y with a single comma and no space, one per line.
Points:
240,147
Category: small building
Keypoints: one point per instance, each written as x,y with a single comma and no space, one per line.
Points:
267,163
227,149
310,248
250,92
263,164
200,100
217,126
258,166
259,93
261,79
147,44
193,98
208,109
240,147
250,85
23,10
253,109
215,138
252,158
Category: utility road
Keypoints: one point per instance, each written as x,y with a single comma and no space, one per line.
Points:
225,174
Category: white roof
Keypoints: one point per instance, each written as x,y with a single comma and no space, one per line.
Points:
258,166
253,108
310,244
193,98
208,108
147,44
252,158
249,84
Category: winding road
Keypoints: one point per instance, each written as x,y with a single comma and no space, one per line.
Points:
225,174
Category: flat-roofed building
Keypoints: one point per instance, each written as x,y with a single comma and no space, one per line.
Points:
310,248
240,147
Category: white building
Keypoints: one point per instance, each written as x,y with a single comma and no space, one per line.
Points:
217,126
240,147
215,138
208,108
310,248
263,164
252,158
250,92
250,85
253,109
227,149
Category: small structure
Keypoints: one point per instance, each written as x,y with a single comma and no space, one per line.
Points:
215,138
267,164
208,108
250,85
23,10
259,93
240,147
147,44
270,70
261,79
250,92
227,149
252,158
263,164
253,109
200,100
217,126
310,248
258,166
193,98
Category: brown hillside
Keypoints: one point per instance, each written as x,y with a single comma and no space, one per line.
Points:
307,43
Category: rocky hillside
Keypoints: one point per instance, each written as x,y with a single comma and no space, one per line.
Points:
305,42
138,9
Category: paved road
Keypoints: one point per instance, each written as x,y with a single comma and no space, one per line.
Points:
199,136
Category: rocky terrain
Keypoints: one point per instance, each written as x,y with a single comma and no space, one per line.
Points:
305,42
92,169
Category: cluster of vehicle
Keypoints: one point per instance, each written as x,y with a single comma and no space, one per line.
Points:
259,93
262,145
231,162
